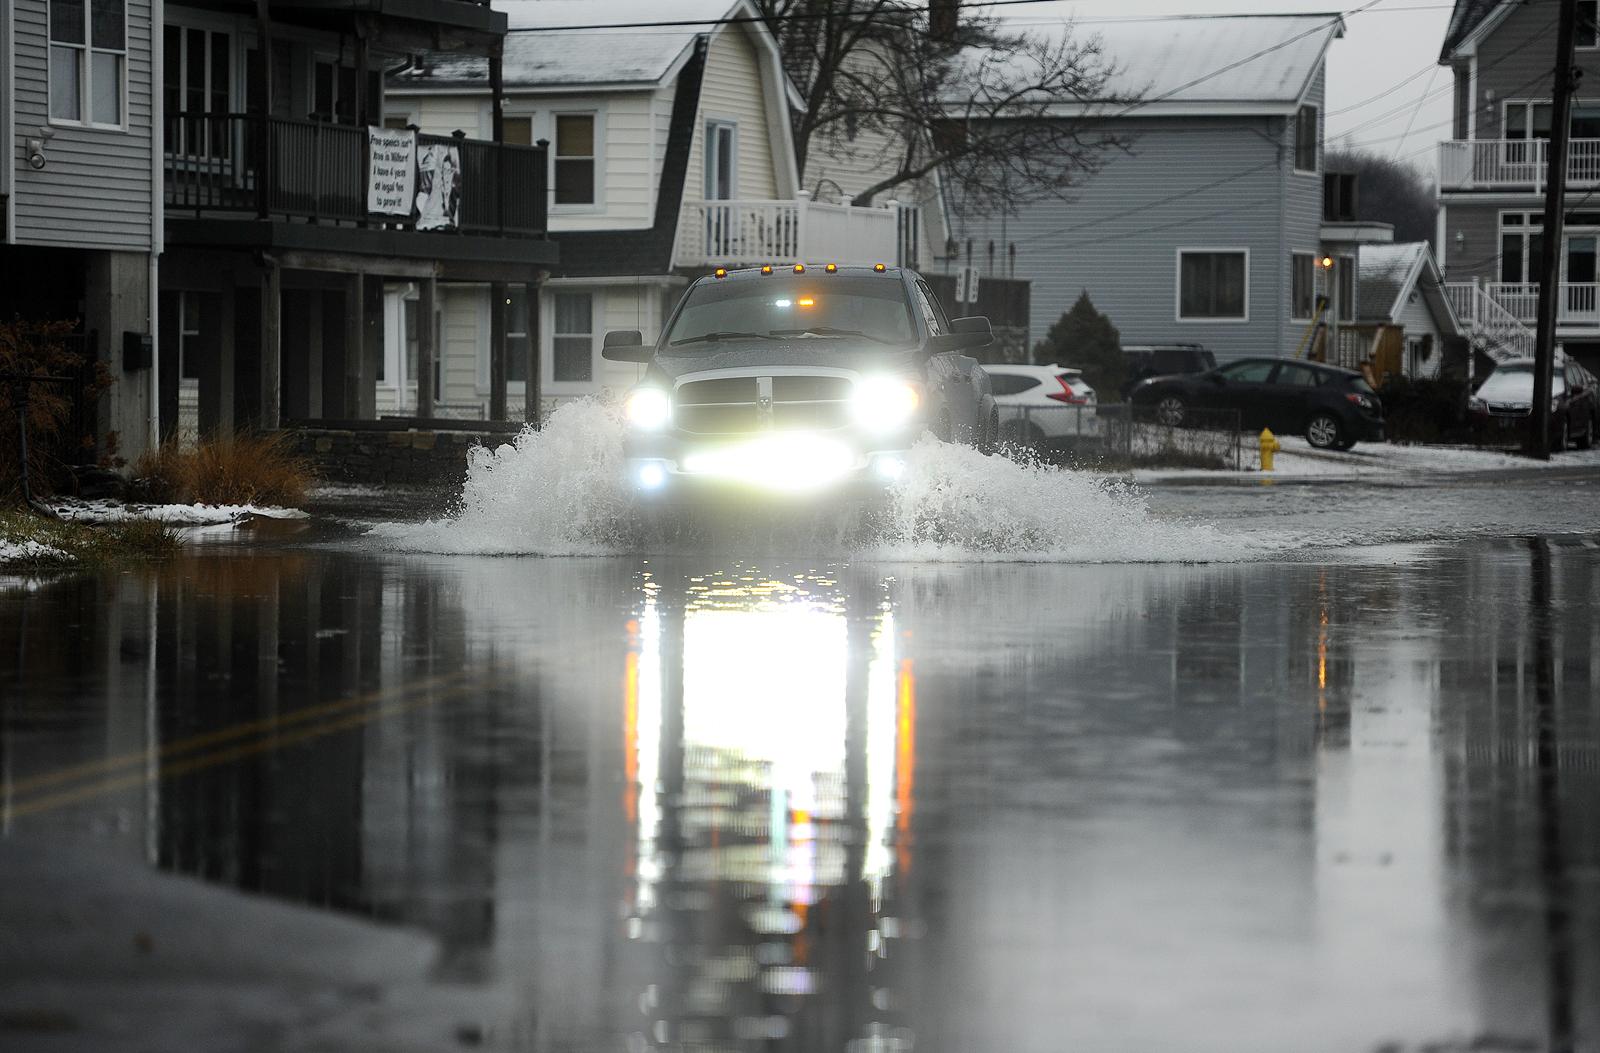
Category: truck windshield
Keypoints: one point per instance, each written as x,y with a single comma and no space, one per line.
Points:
826,307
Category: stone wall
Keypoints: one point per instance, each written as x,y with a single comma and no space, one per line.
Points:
391,457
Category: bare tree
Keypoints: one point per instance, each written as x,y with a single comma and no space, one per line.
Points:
960,94
1389,191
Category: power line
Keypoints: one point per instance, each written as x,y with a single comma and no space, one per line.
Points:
737,20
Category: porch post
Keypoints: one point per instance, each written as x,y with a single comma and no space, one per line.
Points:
497,351
531,389
271,345
355,303
371,347
427,353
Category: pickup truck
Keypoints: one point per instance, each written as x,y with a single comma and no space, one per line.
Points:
800,379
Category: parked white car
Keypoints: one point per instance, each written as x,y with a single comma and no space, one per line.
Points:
1041,404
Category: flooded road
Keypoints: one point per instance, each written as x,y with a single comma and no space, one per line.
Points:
1338,801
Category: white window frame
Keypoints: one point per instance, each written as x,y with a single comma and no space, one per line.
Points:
1316,144
1294,259
1177,283
86,52
547,340
598,159
708,123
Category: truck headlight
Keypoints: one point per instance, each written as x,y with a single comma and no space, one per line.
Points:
883,403
648,409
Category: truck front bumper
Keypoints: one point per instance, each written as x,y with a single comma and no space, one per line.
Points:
775,464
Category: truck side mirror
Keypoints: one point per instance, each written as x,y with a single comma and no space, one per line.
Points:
625,345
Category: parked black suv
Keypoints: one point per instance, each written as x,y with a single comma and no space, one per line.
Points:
1162,360
1333,408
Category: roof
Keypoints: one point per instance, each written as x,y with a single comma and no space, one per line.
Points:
1388,275
1209,63
1467,16
581,57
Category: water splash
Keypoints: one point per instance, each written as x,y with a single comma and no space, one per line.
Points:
560,491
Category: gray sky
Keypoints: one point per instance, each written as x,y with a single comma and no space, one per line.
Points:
1396,40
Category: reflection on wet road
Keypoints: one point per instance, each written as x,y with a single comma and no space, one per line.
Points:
703,804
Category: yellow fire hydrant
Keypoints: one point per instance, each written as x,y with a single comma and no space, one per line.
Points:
1269,446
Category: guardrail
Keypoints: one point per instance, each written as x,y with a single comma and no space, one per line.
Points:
315,170
731,233
1492,164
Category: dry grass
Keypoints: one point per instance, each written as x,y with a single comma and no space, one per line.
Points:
238,470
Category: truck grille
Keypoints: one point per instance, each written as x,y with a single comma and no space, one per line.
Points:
730,405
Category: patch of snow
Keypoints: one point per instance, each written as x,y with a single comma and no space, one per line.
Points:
30,552
1297,460
175,515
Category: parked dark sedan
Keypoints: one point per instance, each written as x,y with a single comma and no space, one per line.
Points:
1333,408
1504,402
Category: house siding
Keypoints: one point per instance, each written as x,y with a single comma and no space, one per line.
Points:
733,89
1119,235
1472,234
95,192
1514,62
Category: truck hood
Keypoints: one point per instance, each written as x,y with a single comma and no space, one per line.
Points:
786,354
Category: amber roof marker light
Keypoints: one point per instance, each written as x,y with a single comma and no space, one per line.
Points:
831,268
721,272
766,268
880,268
799,268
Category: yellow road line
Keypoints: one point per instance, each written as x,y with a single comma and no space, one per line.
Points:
211,738
211,760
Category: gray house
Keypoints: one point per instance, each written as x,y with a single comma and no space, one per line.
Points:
1210,226
1492,176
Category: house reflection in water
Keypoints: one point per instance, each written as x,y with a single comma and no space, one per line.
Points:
770,752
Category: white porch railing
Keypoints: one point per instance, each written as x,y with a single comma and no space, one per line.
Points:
1494,329
735,233
1513,164
1579,304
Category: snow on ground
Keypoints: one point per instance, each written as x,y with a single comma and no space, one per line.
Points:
1297,460
176,515
29,552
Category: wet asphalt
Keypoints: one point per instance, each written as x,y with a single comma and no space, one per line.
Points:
1346,798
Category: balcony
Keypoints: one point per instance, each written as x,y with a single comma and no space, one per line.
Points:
273,168
739,233
1513,164
1578,307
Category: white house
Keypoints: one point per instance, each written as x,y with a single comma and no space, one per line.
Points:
671,154
1406,318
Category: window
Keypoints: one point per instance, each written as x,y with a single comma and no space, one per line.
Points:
721,160
516,308
197,79
1303,284
1252,372
574,159
930,312
1521,242
335,94
1012,383
572,338
1212,285
88,56
1298,376
189,336
518,131
1528,120
282,80
1306,139
1585,36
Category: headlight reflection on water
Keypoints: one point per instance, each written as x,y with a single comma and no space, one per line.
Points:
761,808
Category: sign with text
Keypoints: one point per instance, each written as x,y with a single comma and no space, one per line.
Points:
967,285
392,170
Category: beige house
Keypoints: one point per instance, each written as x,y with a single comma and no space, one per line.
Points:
670,155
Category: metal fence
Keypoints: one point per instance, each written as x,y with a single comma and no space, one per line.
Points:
1123,435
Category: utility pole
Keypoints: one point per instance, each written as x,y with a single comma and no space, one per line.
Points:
1555,207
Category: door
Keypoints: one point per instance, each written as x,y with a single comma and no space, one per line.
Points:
722,227
1240,386
1578,293
1288,402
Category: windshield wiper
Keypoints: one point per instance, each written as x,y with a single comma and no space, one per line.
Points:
828,330
723,336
